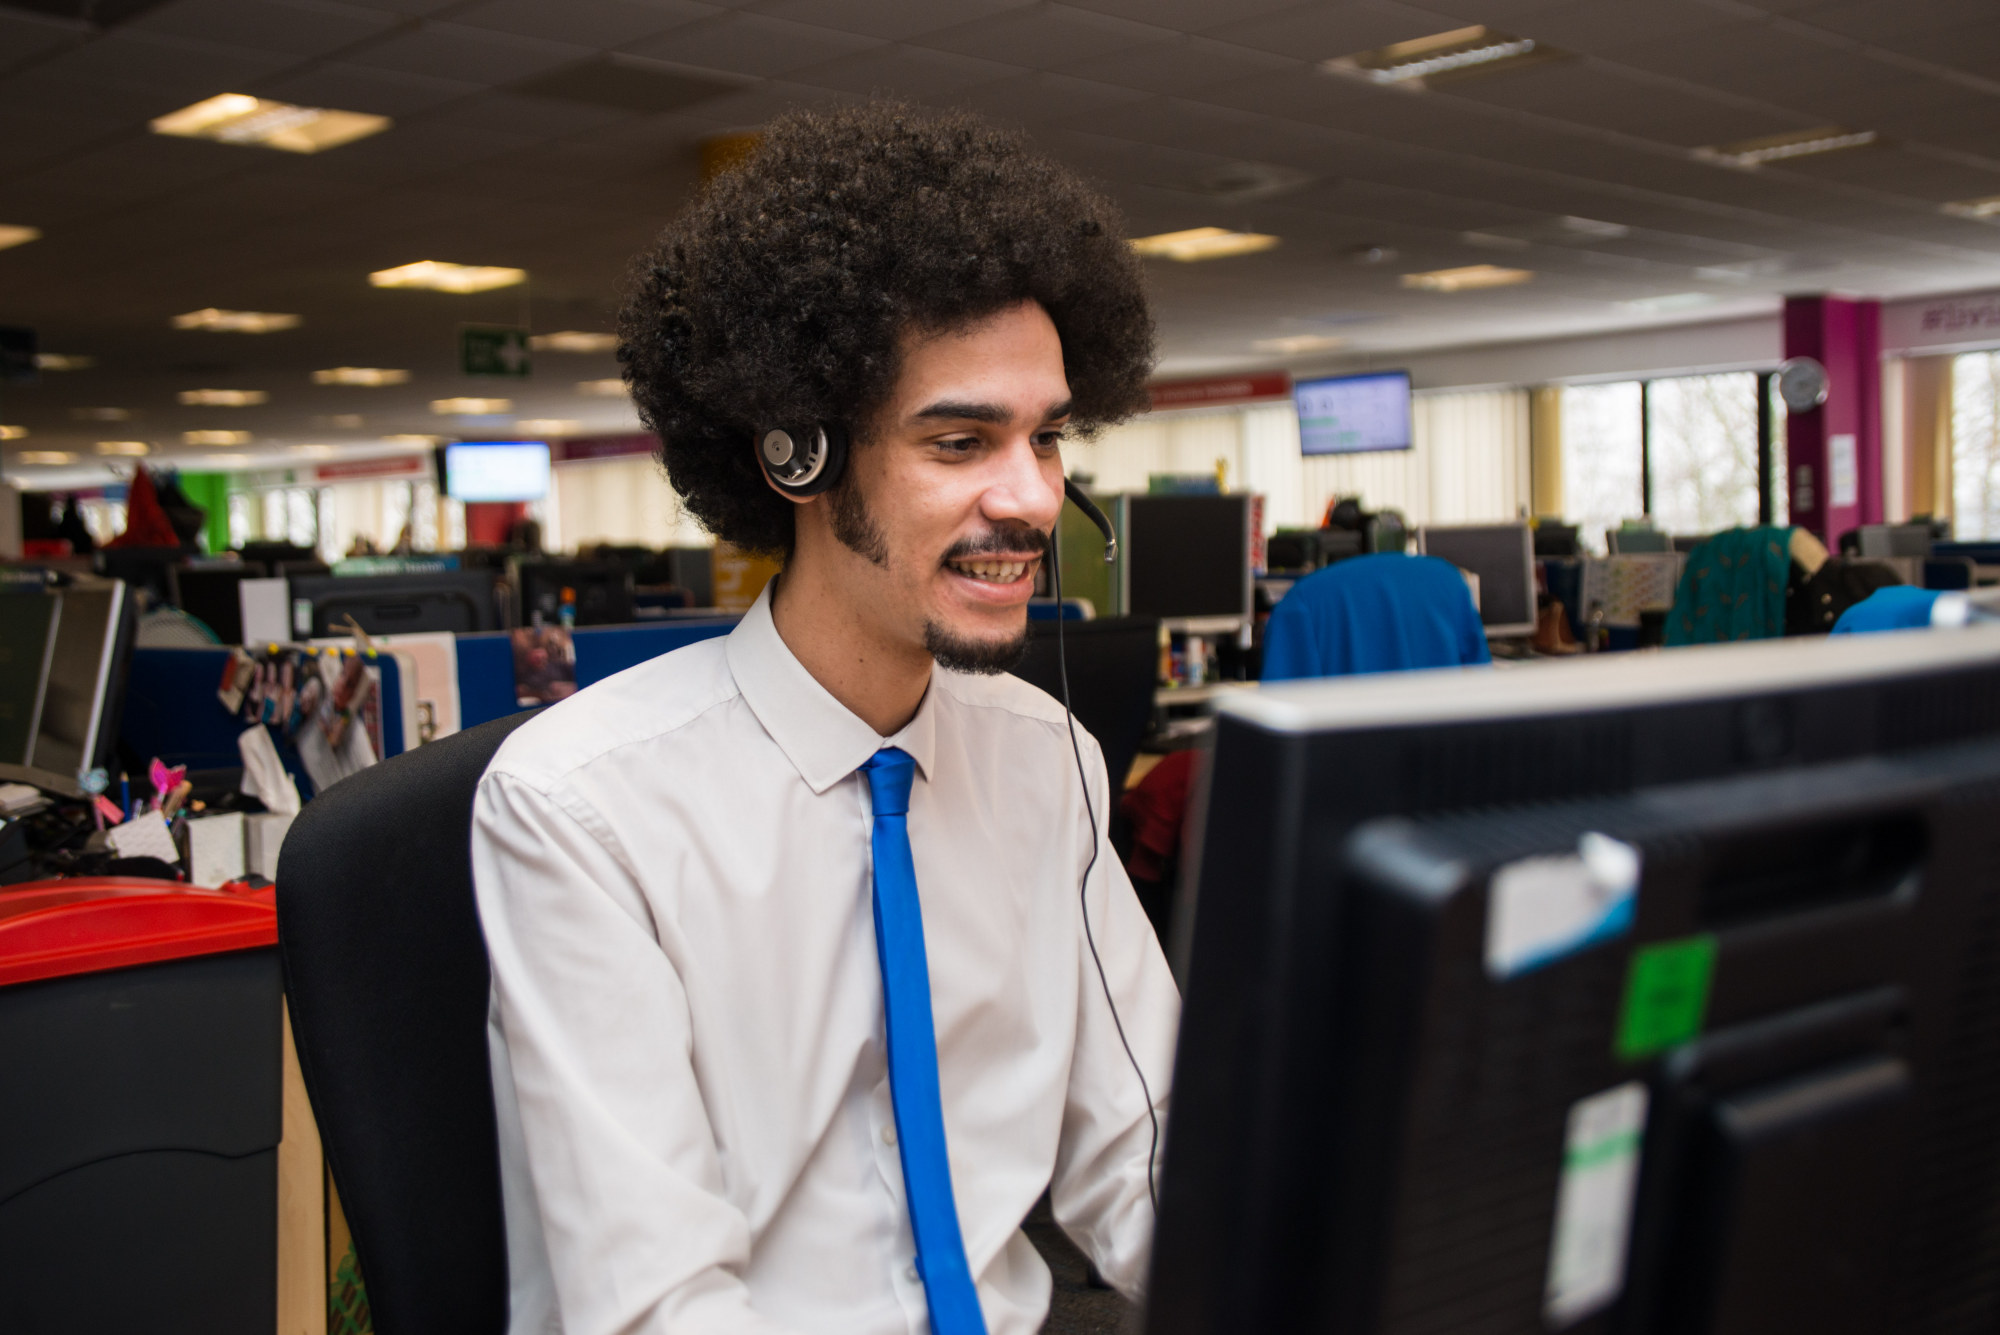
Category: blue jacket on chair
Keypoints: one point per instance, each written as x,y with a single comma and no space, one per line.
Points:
1382,613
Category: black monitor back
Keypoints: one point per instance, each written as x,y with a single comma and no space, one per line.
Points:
1113,664
1368,1130
213,595
603,591
460,601
1187,556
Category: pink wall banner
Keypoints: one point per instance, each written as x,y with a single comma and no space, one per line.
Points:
356,470
580,448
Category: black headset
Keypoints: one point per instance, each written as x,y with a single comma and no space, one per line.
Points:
805,462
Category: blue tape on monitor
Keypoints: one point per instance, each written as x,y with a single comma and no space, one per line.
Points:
1542,909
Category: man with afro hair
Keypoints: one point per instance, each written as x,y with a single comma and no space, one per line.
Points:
812,966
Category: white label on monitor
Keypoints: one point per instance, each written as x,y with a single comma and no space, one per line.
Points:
1540,909
1843,471
1600,1179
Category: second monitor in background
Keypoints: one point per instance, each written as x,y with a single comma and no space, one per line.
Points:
602,591
1502,557
1187,557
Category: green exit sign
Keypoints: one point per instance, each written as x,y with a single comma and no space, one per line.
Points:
493,349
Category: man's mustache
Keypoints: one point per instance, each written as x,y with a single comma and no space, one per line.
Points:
1002,540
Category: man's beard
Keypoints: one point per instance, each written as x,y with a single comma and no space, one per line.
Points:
988,658
856,529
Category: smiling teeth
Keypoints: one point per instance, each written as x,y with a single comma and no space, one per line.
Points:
993,572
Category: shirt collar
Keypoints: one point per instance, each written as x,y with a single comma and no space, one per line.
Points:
822,738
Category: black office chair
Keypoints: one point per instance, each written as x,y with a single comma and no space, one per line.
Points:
386,977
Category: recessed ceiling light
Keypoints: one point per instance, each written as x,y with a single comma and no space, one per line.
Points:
100,414
574,340
1466,278
410,438
45,457
1975,208
1493,241
1596,228
370,376
547,426
215,437
316,451
1672,301
12,235
222,398
238,118
1749,154
224,460
1292,344
437,276
236,322
342,421
613,388
1202,243
472,407
1414,64
58,361
125,449
13,432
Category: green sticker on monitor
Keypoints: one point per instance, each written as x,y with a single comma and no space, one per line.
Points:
1666,996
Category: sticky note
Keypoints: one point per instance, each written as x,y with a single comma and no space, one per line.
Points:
1540,909
1666,996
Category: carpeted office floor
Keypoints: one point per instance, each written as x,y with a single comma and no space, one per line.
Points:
1075,1308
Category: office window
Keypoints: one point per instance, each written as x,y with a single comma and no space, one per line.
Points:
1780,489
1703,452
1602,484
301,517
424,516
274,515
1975,446
242,519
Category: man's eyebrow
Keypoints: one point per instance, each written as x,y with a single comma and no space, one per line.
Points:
952,410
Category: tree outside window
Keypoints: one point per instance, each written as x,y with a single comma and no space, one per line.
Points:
1703,450
1601,479
1975,446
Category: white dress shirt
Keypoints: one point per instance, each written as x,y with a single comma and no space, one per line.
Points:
674,876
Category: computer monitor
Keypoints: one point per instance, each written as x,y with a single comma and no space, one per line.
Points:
213,595
1301,550
89,655
1113,666
603,591
497,470
1503,557
1645,995
27,642
1636,541
1878,540
461,601
1186,557
1354,414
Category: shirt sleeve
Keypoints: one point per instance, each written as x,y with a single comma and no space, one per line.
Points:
1100,1192
626,1175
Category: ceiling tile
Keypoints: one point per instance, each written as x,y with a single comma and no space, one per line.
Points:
1038,98
281,26
596,23
380,92
25,36
1045,36
908,71
1180,65
1186,15
894,20
1321,32
452,51
1591,95
752,44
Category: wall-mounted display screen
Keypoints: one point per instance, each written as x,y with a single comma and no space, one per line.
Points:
1352,414
497,470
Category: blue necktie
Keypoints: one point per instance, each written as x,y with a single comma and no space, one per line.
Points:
913,1072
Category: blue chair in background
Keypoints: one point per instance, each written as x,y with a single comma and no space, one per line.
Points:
1382,613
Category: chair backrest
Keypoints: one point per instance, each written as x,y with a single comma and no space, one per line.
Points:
386,978
1380,613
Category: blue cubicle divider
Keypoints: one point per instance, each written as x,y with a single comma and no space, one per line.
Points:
486,661
172,711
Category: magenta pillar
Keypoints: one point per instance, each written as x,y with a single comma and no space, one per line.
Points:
1834,451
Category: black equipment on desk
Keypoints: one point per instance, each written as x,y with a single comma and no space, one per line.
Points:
213,594
1186,556
1113,665
1652,998
602,591
461,601
1502,556
1298,551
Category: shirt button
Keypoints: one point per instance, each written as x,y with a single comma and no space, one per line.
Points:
888,1134
912,1275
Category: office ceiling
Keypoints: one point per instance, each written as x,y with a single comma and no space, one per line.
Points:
558,136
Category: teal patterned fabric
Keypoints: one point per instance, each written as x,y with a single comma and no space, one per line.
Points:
1733,588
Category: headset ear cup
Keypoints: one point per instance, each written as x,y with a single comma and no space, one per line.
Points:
803,462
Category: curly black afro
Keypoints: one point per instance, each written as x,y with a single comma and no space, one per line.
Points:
780,294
